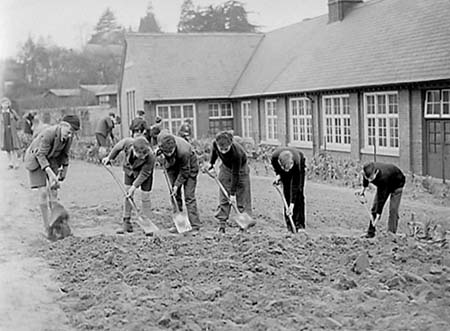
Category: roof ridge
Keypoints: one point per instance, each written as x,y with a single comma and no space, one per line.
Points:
192,34
249,60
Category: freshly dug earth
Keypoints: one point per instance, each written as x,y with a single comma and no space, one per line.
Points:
263,279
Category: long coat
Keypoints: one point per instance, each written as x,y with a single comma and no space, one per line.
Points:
15,137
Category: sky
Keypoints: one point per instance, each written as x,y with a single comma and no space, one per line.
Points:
69,23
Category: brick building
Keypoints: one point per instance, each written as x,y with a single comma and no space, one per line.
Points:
368,77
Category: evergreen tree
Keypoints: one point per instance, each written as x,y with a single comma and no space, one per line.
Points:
149,23
107,31
230,16
187,17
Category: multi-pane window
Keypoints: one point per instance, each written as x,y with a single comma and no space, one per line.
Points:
220,117
174,115
301,120
246,119
337,120
103,99
271,120
437,103
131,105
382,125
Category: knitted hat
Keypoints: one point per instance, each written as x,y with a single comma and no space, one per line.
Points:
73,120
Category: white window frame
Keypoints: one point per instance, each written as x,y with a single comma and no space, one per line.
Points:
130,97
220,109
306,118
333,145
441,104
221,115
381,150
167,122
272,135
247,126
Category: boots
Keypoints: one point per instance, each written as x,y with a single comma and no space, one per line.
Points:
127,227
370,231
221,229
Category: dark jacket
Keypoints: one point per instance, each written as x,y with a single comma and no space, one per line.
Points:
183,162
139,124
105,127
48,148
389,177
28,124
140,169
235,159
295,177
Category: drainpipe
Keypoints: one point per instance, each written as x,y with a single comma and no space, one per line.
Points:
411,128
259,120
286,123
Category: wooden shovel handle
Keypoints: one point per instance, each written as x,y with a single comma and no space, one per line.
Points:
222,188
125,193
294,228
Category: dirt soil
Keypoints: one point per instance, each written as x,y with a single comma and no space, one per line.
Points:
263,279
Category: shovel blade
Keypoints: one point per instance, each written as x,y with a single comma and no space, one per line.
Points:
244,221
147,226
182,223
59,222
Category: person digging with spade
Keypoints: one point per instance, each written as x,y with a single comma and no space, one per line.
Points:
181,164
389,180
234,175
289,166
138,172
47,161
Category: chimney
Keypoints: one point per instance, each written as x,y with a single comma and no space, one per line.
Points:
338,9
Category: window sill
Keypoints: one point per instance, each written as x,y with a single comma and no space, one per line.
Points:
270,142
301,144
336,148
381,151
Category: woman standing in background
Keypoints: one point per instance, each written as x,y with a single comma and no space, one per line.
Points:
9,140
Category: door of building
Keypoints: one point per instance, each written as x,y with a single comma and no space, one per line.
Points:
438,148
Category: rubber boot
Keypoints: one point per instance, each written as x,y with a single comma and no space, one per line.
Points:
127,227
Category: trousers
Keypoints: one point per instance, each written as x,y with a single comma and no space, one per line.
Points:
243,193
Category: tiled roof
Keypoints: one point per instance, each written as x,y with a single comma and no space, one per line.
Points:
379,42
178,66
64,92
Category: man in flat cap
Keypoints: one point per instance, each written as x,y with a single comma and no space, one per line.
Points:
182,168
47,160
